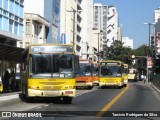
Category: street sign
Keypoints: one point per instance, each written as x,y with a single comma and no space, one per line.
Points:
149,62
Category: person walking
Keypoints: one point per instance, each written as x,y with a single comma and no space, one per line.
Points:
5,81
13,81
144,79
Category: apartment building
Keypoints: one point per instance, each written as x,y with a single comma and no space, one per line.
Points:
87,50
112,25
70,25
41,23
157,30
100,13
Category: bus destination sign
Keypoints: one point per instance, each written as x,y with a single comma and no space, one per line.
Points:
110,63
53,49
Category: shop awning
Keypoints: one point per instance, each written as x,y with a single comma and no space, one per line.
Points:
10,53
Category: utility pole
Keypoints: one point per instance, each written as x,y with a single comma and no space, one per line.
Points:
74,15
149,25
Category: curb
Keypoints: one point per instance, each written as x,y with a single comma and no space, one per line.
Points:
155,87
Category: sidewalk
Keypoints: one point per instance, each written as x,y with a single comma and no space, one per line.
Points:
155,87
9,93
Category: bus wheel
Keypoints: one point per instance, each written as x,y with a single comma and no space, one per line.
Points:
90,87
29,99
119,87
125,85
22,96
57,100
67,100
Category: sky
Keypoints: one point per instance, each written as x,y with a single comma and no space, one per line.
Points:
132,15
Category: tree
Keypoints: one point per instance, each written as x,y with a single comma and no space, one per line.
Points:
141,61
118,52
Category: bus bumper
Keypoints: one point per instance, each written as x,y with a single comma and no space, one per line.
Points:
125,82
110,84
51,93
96,82
84,84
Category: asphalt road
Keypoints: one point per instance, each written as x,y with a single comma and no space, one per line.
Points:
138,99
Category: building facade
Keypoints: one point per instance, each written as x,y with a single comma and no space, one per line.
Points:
87,25
106,19
11,32
112,25
11,21
157,30
100,18
41,23
70,25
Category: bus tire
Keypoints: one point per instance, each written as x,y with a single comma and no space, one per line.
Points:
29,99
90,87
22,97
67,100
119,87
125,85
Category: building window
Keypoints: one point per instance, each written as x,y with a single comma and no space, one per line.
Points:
0,3
5,25
5,13
11,16
21,29
21,20
11,26
21,1
16,18
11,6
28,28
5,4
21,11
16,8
0,21
16,28
1,11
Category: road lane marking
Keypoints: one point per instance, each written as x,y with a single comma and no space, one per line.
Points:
103,110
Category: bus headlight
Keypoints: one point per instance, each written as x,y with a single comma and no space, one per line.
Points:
68,87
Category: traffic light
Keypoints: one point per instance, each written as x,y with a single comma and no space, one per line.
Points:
129,56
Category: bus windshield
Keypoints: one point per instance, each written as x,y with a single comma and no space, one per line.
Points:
51,65
110,71
85,70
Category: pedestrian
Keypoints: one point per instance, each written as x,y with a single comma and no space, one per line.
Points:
13,81
144,79
5,81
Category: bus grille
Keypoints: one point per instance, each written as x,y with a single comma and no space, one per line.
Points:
52,87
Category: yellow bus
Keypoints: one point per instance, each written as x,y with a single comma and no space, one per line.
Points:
49,71
126,75
132,75
111,73
1,85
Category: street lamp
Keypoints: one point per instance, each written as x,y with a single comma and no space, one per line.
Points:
149,25
74,14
